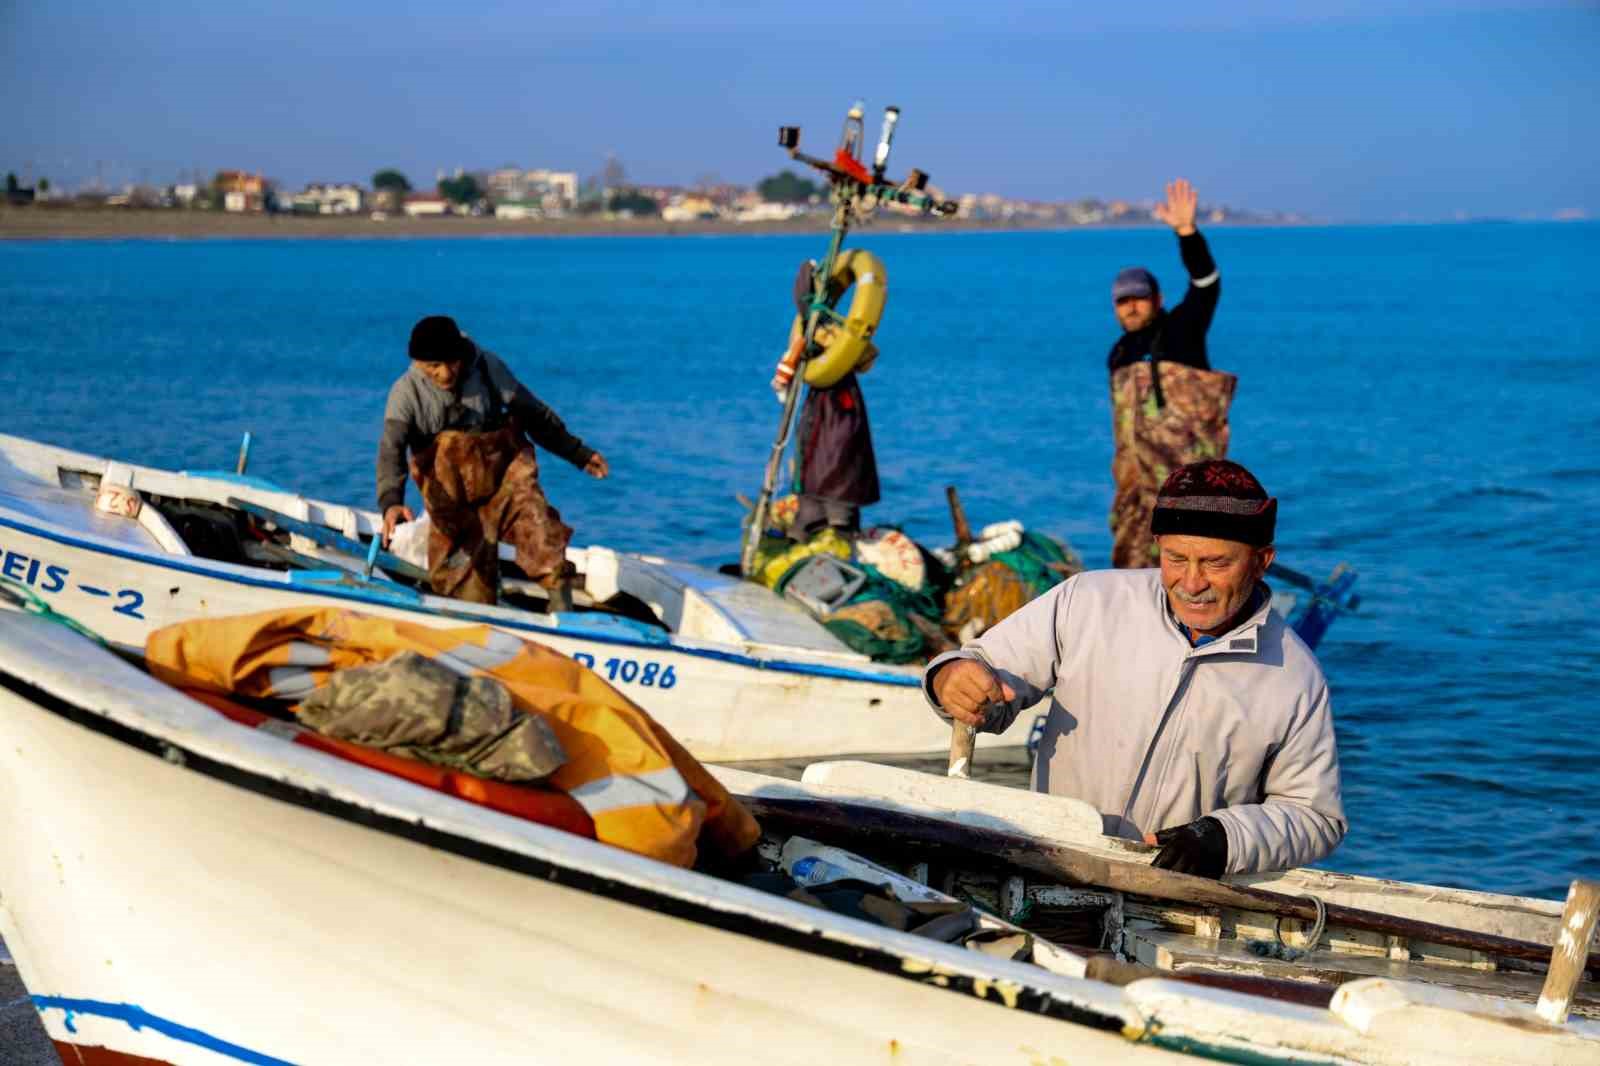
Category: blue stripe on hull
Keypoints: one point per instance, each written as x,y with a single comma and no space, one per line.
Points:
138,1018
375,596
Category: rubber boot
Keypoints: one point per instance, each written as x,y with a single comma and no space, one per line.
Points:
560,596
561,588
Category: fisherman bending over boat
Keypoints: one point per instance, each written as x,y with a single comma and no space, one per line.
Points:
1168,406
466,420
1183,707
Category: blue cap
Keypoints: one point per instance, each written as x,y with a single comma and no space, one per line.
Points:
1134,281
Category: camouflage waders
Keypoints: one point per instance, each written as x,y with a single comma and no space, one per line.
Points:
1154,439
482,488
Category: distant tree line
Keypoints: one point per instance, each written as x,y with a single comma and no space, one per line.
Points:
787,187
633,202
392,180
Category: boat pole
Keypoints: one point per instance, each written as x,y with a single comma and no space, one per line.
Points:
848,181
842,196
244,453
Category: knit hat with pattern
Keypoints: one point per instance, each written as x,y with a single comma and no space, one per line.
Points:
1215,498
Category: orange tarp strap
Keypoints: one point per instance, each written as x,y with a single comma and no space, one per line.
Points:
555,809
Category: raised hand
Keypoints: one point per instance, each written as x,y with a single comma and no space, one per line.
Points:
965,688
597,467
1179,210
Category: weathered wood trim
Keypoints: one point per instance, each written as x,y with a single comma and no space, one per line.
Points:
898,831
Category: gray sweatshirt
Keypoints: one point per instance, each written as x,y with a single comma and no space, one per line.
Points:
1155,733
486,396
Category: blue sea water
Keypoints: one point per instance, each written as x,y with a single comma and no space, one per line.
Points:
1421,399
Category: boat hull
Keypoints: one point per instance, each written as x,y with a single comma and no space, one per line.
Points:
722,703
179,888
183,909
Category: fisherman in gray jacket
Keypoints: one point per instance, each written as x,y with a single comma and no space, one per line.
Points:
1183,707
467,422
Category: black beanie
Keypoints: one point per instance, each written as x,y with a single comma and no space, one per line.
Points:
437,339
1215,498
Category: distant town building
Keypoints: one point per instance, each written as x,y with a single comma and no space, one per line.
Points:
561,185
689,208
321,198
762,211
1086,212
241,190
506,185
551,191
421,204
518,210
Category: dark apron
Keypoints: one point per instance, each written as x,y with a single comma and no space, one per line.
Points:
836,461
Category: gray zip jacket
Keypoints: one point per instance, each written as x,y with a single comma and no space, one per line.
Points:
486,394
1155,733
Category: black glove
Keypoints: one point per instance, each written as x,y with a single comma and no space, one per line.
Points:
1199,848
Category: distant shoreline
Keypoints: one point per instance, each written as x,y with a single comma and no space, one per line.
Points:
42,222
121,223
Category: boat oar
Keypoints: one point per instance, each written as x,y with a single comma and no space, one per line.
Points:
876,828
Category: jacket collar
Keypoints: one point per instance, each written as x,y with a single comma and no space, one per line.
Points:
1242,639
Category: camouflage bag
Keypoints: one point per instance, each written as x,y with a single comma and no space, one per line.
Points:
1189,423
414,706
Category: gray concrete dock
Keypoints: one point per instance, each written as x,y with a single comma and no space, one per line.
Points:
22,1039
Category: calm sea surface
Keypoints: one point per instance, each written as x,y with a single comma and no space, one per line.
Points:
1421,399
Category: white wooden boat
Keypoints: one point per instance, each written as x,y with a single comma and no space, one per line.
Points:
178,888
734,671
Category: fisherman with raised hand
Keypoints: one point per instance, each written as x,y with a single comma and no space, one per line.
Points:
1168,406
1182,706
467,422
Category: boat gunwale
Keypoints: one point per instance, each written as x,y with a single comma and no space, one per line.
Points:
252,577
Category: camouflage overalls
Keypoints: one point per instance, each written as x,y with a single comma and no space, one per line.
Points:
1157,428
481,488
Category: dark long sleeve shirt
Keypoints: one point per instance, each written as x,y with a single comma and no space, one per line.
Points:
1178,334
485,397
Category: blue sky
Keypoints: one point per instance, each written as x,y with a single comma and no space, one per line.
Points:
1342,110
